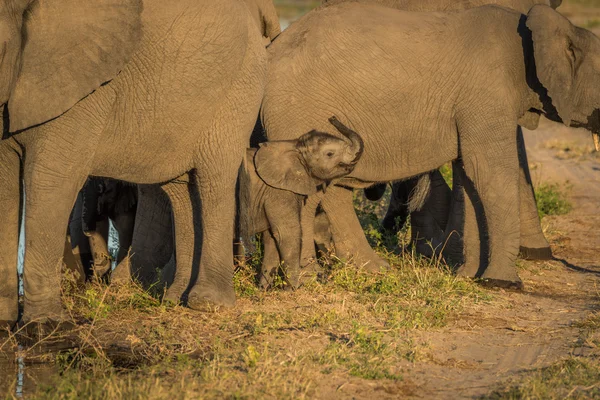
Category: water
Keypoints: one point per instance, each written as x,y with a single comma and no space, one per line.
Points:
21,377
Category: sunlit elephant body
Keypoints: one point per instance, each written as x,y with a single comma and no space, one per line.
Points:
153,244
420,105
186,98
533,244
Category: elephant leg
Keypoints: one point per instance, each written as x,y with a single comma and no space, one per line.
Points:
429,223
307,223
180,194
492,169
283,214
216,188
397,212
73,262
322,229
10,206
348,237
152,243
270,263
124,225
79,241
51,194
462,246
99,246
534,245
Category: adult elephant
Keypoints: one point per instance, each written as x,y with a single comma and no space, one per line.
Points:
420,95
153,244
137,92
533,244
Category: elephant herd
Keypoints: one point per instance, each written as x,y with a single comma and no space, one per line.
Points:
152,107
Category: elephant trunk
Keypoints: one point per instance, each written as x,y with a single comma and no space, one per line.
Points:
355,142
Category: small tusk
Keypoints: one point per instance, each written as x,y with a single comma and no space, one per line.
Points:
596,141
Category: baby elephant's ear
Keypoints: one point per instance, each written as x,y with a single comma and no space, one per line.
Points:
280,165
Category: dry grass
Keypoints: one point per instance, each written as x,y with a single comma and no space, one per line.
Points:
275,344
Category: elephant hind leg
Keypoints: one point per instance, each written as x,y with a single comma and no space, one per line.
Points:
348,236
182,200
533,245
492,172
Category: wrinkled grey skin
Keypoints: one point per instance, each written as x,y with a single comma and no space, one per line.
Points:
166,108
100,201
533,243
153,244
468,112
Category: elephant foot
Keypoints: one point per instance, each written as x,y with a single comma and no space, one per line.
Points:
309,273
467,270
174,295
121,273
370,262
202,299
541,253
503,284
509,280
49,335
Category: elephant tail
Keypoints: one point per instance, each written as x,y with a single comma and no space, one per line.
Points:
419,194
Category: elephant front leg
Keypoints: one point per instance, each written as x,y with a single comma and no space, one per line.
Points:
491,167
269,268
10,204
348,236
180,193
214,283
152,244
307,224
50,197
99,246
283,214
534,245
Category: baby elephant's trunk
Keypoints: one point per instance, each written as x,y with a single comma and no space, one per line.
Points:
355,142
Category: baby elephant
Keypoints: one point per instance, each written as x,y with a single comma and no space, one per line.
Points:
275,180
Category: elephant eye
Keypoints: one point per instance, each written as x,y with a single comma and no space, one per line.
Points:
330,154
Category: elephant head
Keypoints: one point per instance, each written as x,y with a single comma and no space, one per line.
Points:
314,158
53,53
567,65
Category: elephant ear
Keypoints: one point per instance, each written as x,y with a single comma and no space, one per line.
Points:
70,48
280,165
554,55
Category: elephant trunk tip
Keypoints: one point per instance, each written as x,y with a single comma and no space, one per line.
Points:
356,143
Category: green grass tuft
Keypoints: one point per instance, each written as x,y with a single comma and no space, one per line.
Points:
552,199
